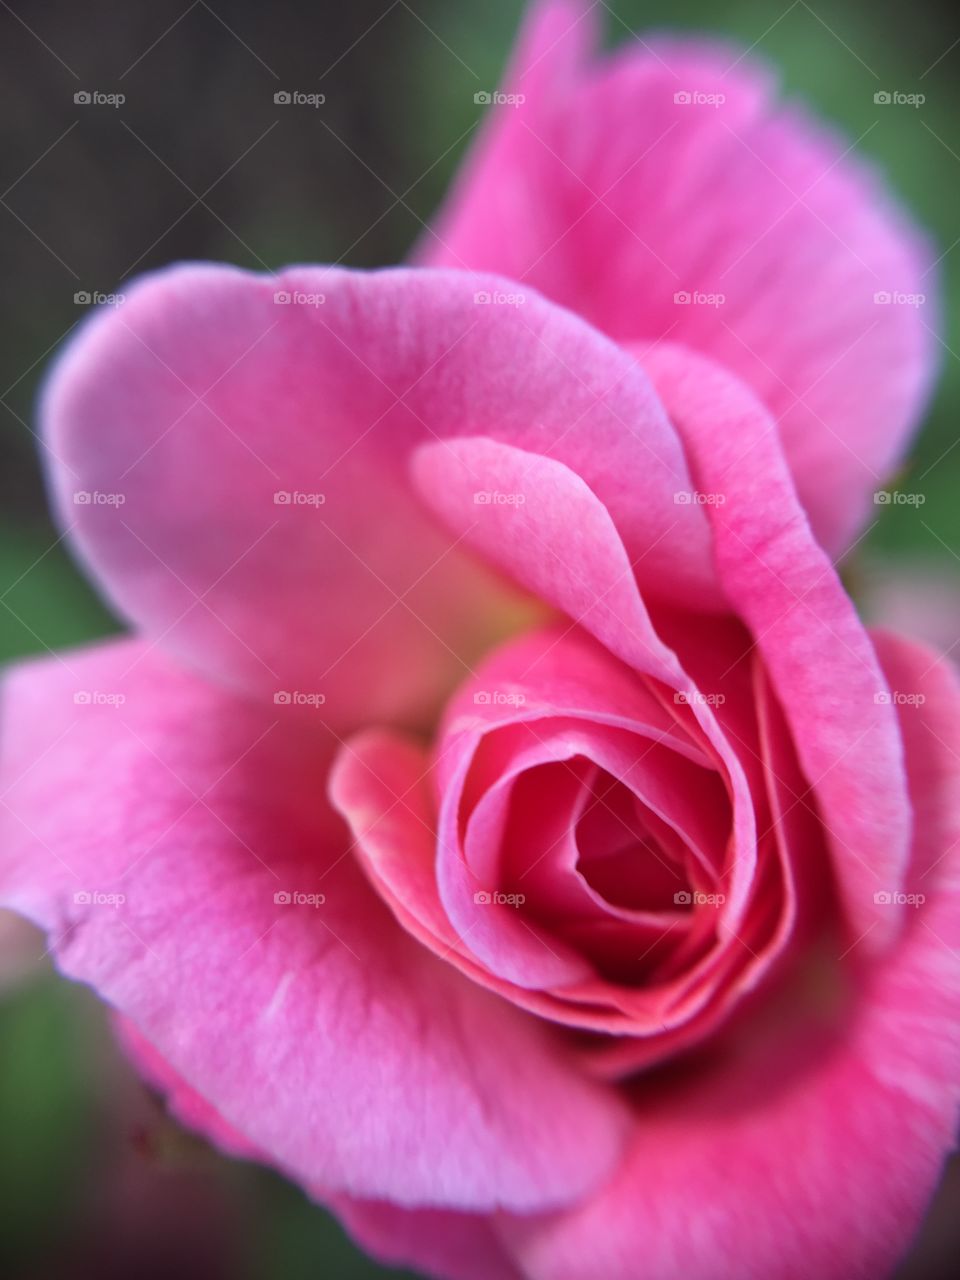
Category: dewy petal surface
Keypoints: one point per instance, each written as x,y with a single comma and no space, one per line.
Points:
663,191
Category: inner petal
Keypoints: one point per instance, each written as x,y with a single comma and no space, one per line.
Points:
621,858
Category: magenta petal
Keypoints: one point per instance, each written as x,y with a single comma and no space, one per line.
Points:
175,843
662,192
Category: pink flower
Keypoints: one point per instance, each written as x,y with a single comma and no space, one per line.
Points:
645,958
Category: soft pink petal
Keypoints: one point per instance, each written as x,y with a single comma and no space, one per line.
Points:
322,1033
185,1104
182,414
612,198
449,1244
814,1148
439,1243
380,785
818,656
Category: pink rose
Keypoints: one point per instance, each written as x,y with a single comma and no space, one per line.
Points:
641,956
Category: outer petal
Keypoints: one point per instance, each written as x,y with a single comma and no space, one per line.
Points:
162,836
440,1243
176,420
819,658
619,192
445,1243
807,1154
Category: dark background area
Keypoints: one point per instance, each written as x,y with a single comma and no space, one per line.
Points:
199,162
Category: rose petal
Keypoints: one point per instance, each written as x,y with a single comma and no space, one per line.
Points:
174,422
620,201
322,1033
818,656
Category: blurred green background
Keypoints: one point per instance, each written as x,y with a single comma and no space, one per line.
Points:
200,163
